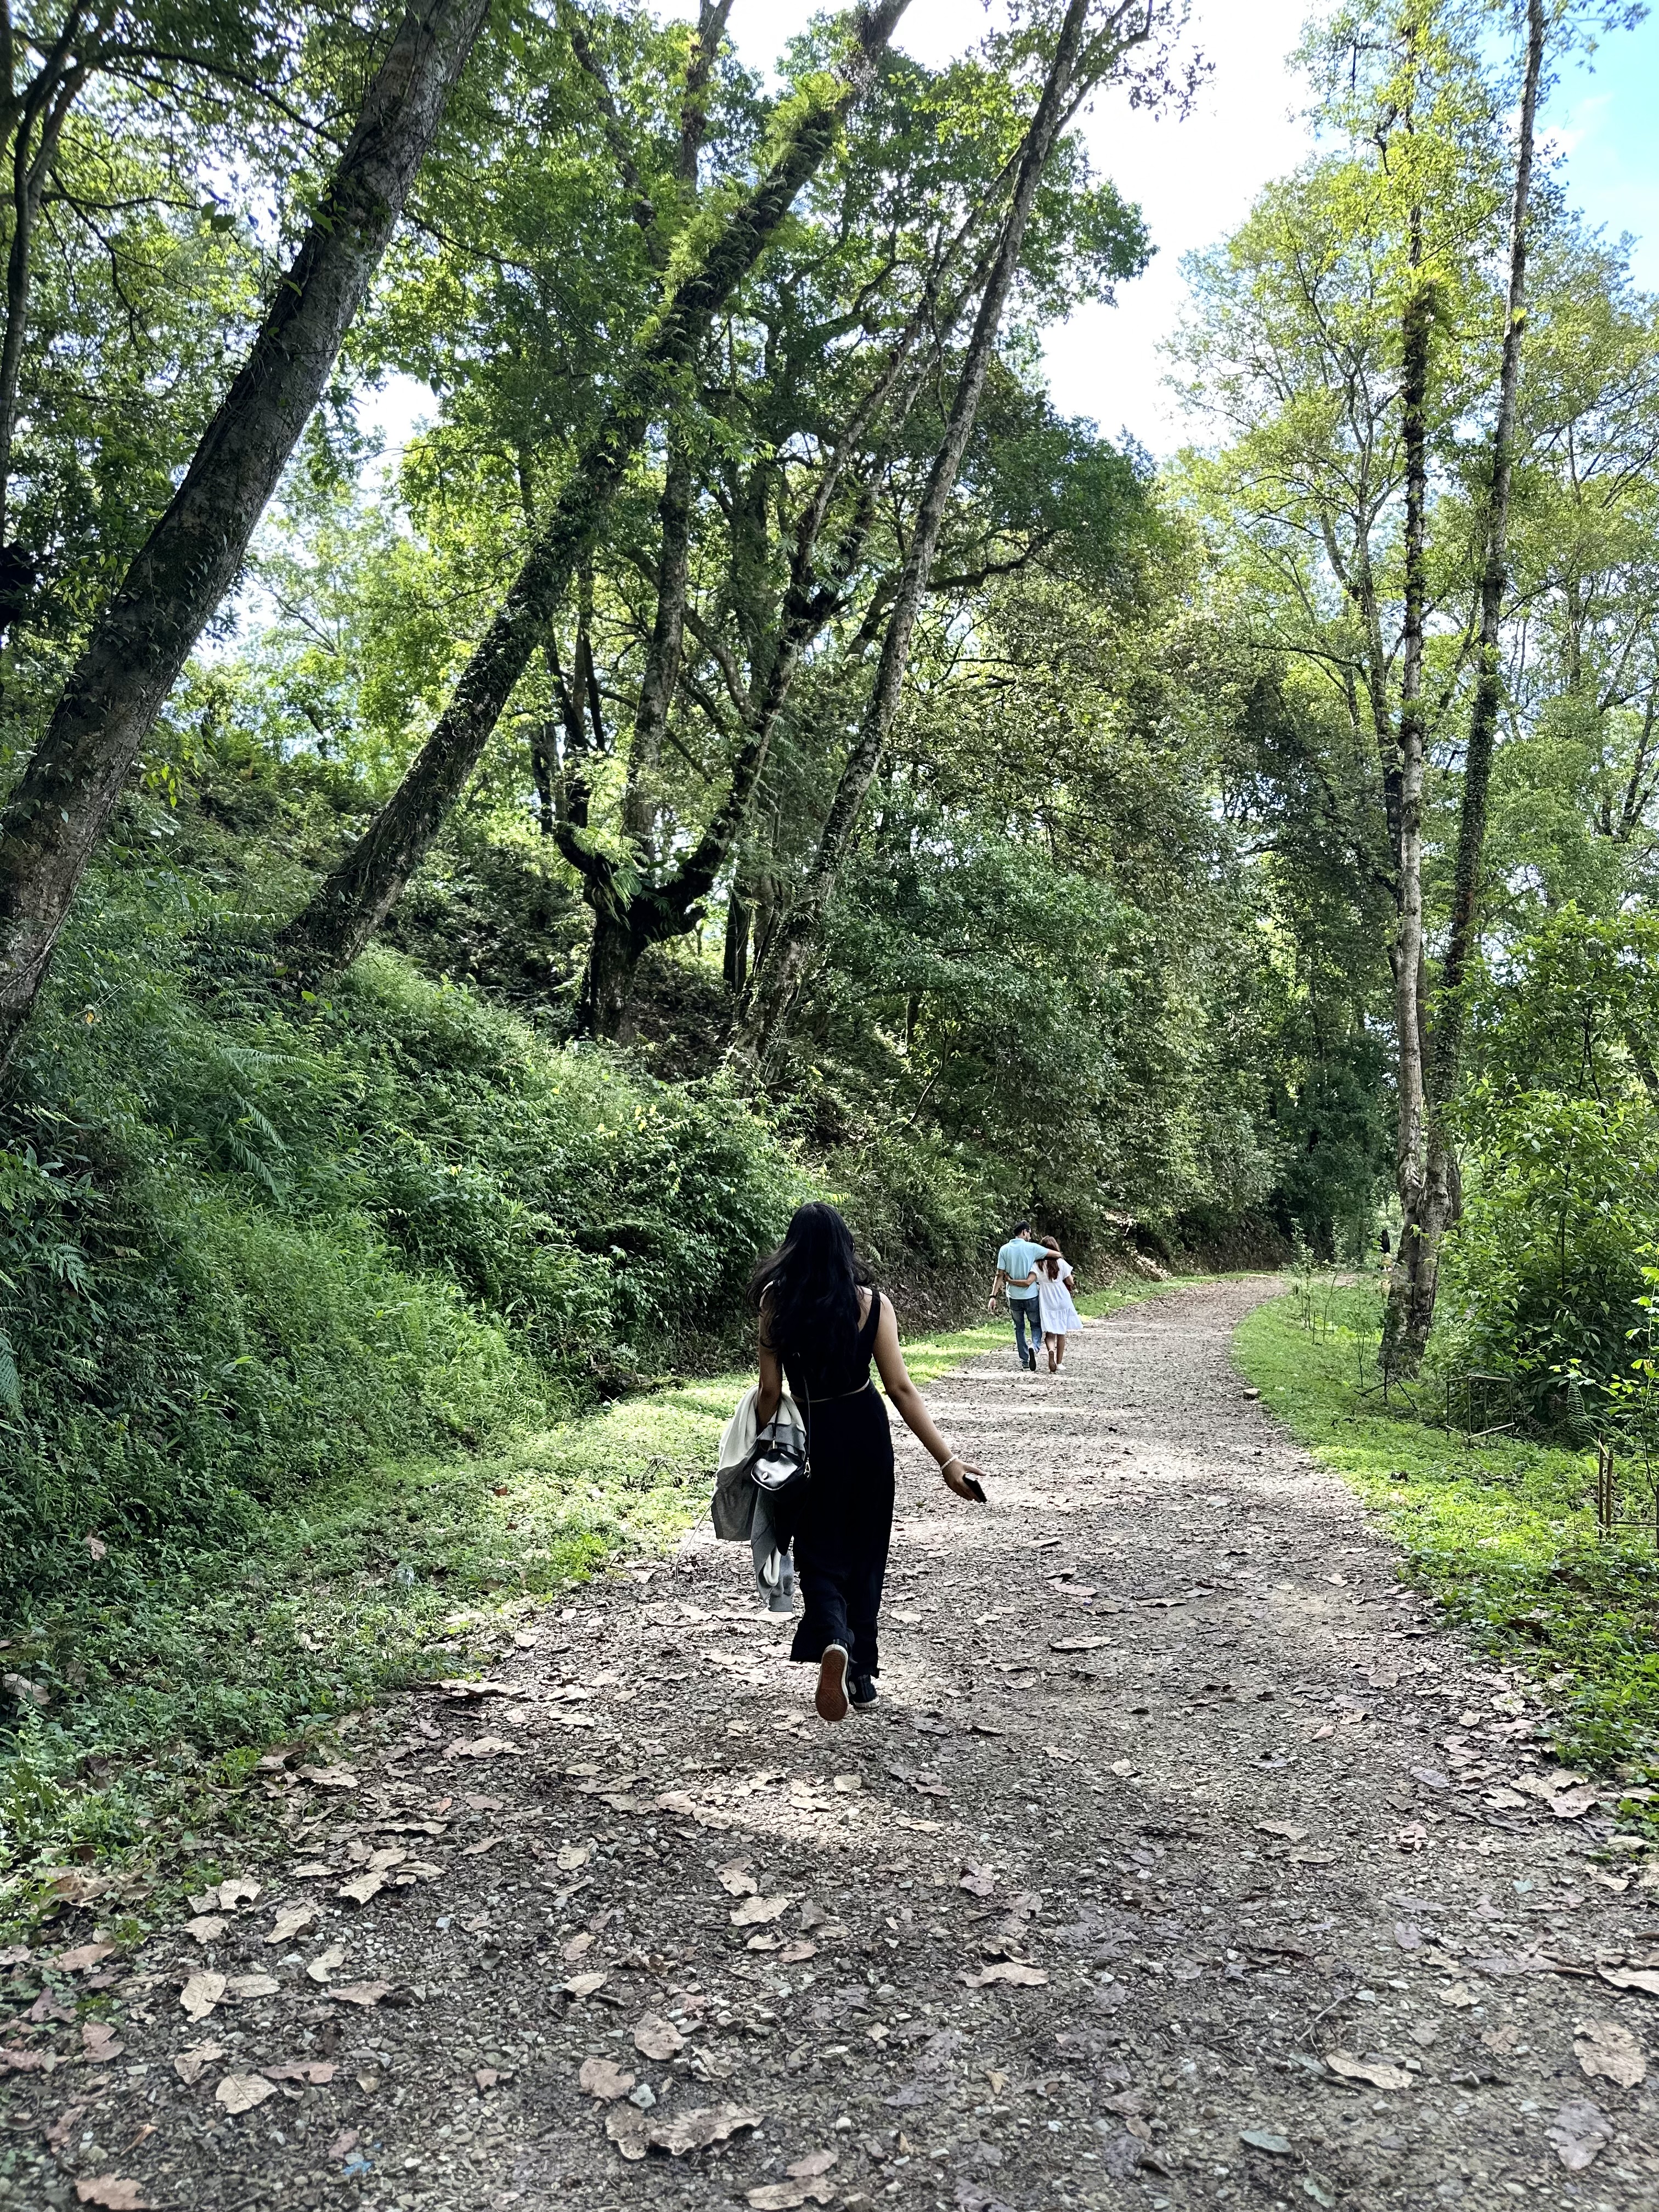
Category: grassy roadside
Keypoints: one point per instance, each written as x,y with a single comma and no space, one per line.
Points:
169,1671
1500,1532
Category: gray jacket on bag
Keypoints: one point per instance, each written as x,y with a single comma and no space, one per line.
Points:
741,1511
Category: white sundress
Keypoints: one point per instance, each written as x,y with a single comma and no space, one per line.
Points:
1060,1316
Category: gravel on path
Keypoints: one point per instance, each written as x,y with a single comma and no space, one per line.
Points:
1185,1861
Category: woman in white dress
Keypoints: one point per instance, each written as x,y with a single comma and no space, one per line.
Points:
1059,1317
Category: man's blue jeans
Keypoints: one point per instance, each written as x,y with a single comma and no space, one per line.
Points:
1026,1313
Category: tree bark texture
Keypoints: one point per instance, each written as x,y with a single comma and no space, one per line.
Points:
61,805
349,906
1437,1202
1411,1161
779,976
37,118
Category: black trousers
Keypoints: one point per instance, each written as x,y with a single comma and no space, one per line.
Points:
842,1528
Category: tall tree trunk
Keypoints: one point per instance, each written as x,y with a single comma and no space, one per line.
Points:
1436,1205
1411,1149
351,903
662,660
46,104
735,962
608,979
779,977
58,812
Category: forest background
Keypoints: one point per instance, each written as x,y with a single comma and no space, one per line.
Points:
750,743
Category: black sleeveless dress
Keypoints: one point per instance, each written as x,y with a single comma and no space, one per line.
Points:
842,1524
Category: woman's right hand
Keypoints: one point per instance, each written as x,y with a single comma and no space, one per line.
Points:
966,1478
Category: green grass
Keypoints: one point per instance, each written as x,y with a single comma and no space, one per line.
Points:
1500,1532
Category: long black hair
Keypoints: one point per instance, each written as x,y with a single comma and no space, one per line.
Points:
807,1291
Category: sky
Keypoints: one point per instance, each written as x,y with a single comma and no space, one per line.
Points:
1195,178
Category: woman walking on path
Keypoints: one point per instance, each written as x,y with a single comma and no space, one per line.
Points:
1061,1318
820,1323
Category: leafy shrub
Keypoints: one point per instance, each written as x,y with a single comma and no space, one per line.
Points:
1542,1277
250,1248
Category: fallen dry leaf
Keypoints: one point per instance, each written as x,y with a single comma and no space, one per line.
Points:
735,1879
626,2126
1290,1832
14,2059
241,1889
316,2072
365,1886
657,2038
794,1953
291,1920
241,2092
977,1880
320,1968
1573,1804
1377,2071
485,1747
83,1958
100,2042
63,2126
200,1994
698,2129
252,1985
206,1927
583,1985
114,2192
486,2077
1580,2132
1007,1969
848,1784
758,1911
577,1947
603,2079
485,1843
330,1777
1632,1978
1606,2047
365,1994
815,2163
1459,1995
569,1856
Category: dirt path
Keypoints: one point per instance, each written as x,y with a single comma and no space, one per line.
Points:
1172,1799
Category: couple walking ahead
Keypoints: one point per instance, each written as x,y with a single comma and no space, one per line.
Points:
1039,1284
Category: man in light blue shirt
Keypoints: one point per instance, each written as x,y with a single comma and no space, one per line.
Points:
1017,1265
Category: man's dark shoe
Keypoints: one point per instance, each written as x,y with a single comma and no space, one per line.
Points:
861,1693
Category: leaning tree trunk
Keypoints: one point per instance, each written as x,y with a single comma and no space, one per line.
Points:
1435,1205
349,906
58,812
779,979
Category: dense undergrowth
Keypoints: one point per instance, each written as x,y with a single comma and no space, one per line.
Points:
1499,1530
